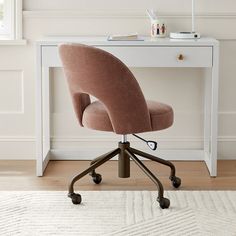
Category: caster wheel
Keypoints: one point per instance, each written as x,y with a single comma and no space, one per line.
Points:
176,182
164,203
97,178
75,197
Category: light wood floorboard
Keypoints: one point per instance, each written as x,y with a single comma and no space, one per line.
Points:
20,175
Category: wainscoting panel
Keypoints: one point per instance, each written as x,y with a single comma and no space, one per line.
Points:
183,89
11,92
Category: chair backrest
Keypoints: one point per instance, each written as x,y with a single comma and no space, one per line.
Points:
92,71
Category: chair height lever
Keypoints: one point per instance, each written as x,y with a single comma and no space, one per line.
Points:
151,144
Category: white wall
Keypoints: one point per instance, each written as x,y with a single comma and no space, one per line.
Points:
183,89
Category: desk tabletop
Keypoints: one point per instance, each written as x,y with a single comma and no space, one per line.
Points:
147,41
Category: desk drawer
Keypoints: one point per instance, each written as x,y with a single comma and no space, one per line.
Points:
163,56
149,56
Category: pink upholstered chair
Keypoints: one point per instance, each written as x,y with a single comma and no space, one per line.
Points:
120,108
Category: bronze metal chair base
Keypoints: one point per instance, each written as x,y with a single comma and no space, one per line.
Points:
126,153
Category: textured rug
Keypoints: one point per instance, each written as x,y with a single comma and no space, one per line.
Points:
122,213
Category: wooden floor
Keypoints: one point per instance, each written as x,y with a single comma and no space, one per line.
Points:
20,175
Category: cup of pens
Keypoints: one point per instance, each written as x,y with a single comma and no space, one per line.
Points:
158,26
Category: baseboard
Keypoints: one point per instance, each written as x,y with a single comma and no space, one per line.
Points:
23,147
17,148
174,155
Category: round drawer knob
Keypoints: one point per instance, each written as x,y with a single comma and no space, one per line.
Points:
181,57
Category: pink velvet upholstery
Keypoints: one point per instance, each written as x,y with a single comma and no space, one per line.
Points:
121,106
96,116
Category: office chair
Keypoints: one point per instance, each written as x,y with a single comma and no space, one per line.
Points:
121,108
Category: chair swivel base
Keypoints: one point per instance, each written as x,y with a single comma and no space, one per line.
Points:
126,153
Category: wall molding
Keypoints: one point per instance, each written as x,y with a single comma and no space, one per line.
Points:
22,93
96,138
227,112
17,138
119,14
23,147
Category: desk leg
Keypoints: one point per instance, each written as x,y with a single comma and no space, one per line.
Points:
39,113
214,110
46,110
46,116
208,119
211,115
42,115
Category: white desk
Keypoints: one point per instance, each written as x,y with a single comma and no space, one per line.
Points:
202,53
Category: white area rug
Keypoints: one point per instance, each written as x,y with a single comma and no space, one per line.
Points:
122,213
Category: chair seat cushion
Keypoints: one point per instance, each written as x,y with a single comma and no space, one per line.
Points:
96,117
162,115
